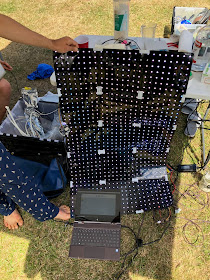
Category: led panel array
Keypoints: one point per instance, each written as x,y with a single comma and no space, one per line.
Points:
121,108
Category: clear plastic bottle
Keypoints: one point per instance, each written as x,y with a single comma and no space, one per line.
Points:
121,18
204,184
201,48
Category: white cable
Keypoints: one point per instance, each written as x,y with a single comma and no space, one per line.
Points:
10,117
42,114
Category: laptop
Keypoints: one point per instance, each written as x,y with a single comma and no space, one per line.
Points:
96,230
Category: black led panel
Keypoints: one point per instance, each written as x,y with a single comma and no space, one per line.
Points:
144,195
121,109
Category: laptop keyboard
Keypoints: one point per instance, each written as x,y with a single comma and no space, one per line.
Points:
96,237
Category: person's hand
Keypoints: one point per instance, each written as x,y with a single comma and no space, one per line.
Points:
6,65
64,45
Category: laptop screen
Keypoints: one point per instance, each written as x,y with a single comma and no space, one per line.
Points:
102,204
92,205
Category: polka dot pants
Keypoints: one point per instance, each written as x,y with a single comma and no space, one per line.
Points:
17,187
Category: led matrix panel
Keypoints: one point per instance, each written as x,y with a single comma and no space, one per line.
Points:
120,110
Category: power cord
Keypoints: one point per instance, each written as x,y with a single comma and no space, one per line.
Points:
122,41
138,243
15,80
66,223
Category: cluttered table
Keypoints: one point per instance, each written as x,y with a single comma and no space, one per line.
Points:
196,89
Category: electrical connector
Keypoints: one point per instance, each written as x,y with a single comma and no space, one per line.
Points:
187,168
139,242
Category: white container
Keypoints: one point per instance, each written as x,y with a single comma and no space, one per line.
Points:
121,19
206,74
185,41
204,184
202,45
2,71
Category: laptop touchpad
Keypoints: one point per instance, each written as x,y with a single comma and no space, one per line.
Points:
94,252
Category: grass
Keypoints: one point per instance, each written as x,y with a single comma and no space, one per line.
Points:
40,250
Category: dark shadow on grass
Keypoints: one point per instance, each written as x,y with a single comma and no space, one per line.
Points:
49,242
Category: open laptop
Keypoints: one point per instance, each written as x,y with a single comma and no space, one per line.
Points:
96,231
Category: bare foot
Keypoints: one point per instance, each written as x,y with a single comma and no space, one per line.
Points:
13,220
64,213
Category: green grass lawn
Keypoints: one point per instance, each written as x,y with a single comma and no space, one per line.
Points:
40,250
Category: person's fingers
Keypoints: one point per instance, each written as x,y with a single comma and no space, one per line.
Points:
73,43
65,44
6,66
74,49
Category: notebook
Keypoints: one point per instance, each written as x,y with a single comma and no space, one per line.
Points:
96,230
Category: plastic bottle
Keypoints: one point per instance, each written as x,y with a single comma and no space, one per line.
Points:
201,48
121,18
204,184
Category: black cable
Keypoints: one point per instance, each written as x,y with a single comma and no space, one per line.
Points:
206,128
120,41
66,223
140,227
158,239
186,146
138,243
130,40
123,267
15,80
110,40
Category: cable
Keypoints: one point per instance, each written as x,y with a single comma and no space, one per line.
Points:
15,80
161,219
66,223
206,161
206,128
121,41
172,167
172,182
158,239
123,267
198,228
10,117
138,243
45,114
195,194
110,40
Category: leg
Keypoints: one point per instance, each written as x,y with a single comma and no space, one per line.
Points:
24,191
12,218
5,94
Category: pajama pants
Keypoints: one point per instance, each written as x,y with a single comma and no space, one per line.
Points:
17,187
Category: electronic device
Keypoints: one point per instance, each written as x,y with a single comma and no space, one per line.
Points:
121,107
96,231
